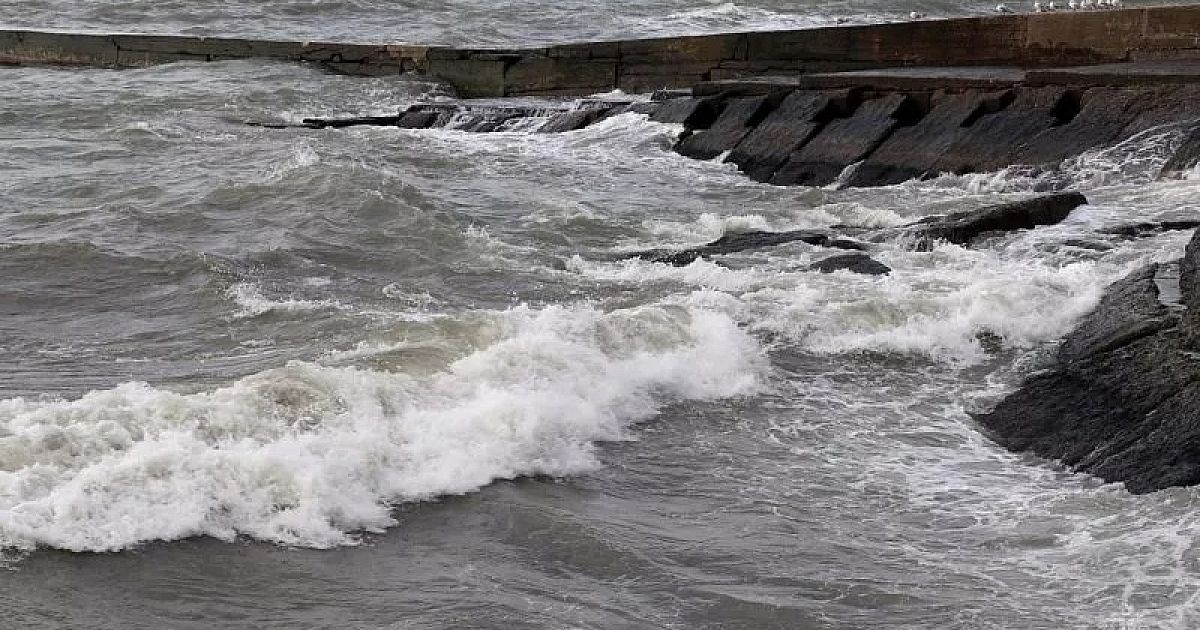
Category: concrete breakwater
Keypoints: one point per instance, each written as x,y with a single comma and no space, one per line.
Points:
1026,41
882,127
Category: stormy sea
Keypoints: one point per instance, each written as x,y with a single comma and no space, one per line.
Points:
387,378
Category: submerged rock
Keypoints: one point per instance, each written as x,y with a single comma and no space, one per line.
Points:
961,228
1138,230
858,263
1123,400
742,241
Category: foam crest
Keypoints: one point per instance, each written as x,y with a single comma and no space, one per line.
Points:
252,303
308,454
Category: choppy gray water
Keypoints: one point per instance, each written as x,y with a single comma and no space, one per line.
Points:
376,378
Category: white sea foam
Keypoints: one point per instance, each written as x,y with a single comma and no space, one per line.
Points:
251,302
308,455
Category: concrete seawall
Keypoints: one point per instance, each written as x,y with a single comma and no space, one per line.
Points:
1026,41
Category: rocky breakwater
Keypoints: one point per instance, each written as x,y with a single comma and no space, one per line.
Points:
884,127
1122,401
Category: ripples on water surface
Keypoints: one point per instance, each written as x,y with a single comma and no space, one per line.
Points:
478,22
258,342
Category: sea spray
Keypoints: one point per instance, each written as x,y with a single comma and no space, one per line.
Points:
309,455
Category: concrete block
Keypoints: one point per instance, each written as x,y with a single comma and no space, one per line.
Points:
66,48
471,78
597,50
1083,37
537,75
710,49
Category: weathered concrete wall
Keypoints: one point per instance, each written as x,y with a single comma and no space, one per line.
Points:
1027,41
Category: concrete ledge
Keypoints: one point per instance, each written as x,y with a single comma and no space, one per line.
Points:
1010,42
1121,74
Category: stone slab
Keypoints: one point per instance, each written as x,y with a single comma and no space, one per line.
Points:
1140,73
693,113
845,141
912,152
539,75
797,119
736,120
918,78
1104,114
998,139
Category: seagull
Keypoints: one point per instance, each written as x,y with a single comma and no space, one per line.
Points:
916,15
1072,5
1052,6
1003,8
1086,5
1116,4
1037,7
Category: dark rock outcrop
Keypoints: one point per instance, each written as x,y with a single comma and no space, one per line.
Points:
1186,157
858,263
962,227
1123,400
742,241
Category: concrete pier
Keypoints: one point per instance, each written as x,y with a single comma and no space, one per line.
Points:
1033,41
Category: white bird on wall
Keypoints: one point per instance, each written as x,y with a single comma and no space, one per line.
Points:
1003,8
1072,5
1037,7
916,15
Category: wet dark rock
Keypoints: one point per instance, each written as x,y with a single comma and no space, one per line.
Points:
858,263
1105,116
961,227
1186,157
339,123
1123,400
733,243
844,141
1129,310
997,139
1095,246
417,119
1137,230
573,120
737,119
797,119
915,151
693,113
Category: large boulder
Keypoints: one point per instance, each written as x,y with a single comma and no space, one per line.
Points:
962,227
1122,401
